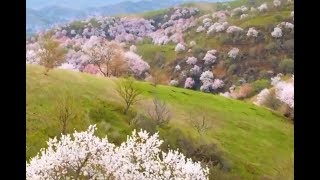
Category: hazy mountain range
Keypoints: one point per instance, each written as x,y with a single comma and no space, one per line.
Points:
41,14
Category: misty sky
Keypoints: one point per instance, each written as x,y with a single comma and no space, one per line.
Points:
36,4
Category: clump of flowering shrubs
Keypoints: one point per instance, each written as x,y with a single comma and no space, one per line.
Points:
83,155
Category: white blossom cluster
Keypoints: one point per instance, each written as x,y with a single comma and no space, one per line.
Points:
284,91
130,29
191,60
261,97
217,27
244,16
233,53
210,57
177,67
195,70
183,13
174,82
276,3
189,83
217,83
221,16
286,25
263,7
233,29
252,32
206,78
135,63
172,31
277,32
179,47
83,155
200,29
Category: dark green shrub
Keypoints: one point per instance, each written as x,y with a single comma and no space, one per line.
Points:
232,69
286,66
259,85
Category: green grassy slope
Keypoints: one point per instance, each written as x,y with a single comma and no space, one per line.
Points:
257,141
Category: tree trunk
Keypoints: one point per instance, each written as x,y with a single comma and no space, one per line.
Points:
104,74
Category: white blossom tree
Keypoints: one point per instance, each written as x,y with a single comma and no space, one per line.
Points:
276,3
207,79
252,32
83,155
191,60
102,53
179,47
136,64
277,32
233,53
263,7
189,83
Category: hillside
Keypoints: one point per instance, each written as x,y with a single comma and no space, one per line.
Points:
254,141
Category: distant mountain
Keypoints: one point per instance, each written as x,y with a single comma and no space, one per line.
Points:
43,13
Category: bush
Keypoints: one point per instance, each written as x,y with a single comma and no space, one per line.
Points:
289,45
232,69
286,66
271,101
259,85
244,91
272,46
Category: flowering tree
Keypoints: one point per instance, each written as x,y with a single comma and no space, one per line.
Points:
195,70
32,56
233,53
179,47
209,58
243,16
277,32
217,83
276,3
218,27
261,97
189,83
252,32
83,155
174,82
136,64
263,7
233,29
206,78
102,53
191,60
177,68
200,29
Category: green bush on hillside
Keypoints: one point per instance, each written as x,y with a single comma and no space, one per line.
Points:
286,66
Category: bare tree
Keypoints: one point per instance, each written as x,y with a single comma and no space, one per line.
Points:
160,112
51,54
65,111
157,77
128,92
200,123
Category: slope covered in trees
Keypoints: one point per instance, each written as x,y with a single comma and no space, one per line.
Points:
246,141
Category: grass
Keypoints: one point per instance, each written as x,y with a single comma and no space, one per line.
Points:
148,52
264,20
153,14
254,139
